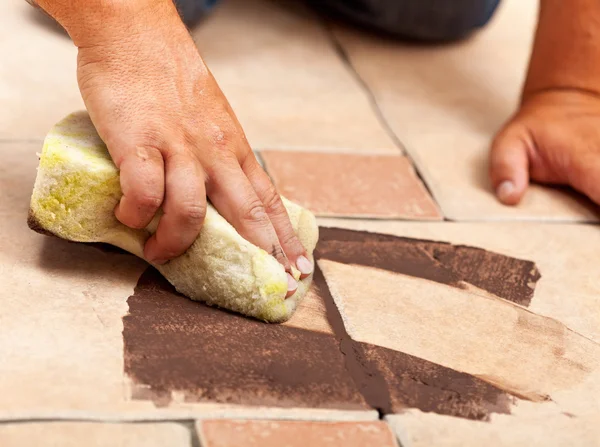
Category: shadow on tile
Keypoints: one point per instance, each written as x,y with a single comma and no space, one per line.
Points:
43,20
94,260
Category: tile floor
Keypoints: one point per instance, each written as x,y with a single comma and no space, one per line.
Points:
437,316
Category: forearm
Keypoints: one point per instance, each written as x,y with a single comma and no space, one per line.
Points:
92,22
566,52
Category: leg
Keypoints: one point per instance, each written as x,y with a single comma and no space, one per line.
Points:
429,20
193,10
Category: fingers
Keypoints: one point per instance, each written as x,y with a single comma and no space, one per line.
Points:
277,214
142,184
184,210
509,166
232,194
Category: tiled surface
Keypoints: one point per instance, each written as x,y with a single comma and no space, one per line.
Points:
445,104
483,333
285,81
231,433
376,186
63,315
76,434
417,429
38,84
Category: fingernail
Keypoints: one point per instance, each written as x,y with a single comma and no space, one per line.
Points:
292,284
304,265
159,261
505,190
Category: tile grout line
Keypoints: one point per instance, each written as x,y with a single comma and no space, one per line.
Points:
367,378
343,54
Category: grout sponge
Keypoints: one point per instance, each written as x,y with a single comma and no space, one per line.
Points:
77,188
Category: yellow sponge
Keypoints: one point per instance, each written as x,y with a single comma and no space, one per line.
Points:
75,193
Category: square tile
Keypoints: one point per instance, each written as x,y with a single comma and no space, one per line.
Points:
445,104
233,433
76,434
285,80
376,186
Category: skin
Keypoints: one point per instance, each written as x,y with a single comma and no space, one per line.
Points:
176,141
170,130
554,137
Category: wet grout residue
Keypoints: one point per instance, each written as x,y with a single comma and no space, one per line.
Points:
172,344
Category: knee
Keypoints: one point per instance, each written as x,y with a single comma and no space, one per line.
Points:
428,20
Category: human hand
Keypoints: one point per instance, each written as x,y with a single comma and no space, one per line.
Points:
554,138
175,138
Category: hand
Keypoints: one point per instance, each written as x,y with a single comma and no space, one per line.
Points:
175,139
554,138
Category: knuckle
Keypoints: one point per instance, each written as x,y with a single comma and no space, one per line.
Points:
192,213
146,201
272,201
290,241
253,211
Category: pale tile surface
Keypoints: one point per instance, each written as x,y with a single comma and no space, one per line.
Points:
231,433
446,102
376,186
38,84
417,429
76,434
564,254
559,328
284,79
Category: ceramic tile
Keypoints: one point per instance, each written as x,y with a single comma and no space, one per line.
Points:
66,351
75,434
284,79
417,429
38,84
379,186
420,312
445,103
231,433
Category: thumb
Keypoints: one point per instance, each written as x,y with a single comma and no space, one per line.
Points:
509,166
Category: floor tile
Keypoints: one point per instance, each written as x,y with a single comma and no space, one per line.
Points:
284,79
38,84
76,434
173,345
232,433
445,103
63,313
376,186
417,429
411,309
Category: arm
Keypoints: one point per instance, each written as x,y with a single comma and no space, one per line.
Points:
169,129
555,135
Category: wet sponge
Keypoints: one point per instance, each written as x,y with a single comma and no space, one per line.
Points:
77,188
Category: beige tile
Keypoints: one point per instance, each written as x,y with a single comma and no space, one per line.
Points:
549,349
376,186
232,433
61,342
284,79
417,429
38,84
446,102
76,434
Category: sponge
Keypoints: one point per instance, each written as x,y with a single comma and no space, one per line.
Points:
77,188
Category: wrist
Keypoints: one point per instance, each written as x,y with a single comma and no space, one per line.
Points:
98,22
566,51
